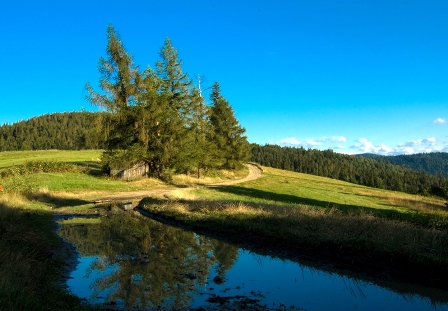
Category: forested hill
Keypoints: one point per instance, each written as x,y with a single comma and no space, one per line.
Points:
433,163
65,131
359,170
78,130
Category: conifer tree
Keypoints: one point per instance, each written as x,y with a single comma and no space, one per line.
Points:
202,147
119,82
118,76
232,145
175,82
175,89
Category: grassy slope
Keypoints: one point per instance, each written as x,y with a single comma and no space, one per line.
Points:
11,158
288,188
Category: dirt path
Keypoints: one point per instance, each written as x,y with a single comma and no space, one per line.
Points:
254,173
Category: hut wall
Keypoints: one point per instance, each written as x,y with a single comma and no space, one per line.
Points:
136,171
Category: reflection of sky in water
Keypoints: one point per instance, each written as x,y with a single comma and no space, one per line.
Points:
279,282
82,278
289,283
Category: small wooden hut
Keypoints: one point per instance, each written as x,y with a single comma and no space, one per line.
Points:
138,170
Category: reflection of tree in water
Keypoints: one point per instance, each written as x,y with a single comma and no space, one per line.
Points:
158,264
226,255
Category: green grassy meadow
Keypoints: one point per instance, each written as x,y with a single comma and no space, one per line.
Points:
286,210
13,158
288,188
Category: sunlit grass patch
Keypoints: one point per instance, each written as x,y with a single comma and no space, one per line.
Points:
187,180
209,177
14,158
180,194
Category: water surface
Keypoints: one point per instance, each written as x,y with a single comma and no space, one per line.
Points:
134,261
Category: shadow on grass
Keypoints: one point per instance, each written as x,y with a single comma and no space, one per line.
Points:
421,219
31,262
283,198
91,167
55,201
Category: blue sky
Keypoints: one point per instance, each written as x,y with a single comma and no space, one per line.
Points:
354,76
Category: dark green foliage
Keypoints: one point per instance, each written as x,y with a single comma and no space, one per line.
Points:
63,131
174,82
229,137
359,170
158,118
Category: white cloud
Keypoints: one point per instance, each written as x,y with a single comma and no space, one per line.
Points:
430,144
430,140
338,139
403,150
385,149
290,141
439,121
310,143
365,146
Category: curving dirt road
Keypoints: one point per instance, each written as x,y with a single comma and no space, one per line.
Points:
254,173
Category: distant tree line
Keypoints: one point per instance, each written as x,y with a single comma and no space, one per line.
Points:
358,170
64,131
435,163
159,116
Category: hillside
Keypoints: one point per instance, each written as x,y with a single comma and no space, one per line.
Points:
435,163
408,173
64,131
358,170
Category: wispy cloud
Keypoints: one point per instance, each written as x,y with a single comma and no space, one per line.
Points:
427,145
312,142
439,121
365,146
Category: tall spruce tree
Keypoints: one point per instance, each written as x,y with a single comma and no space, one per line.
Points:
175,89
232,145
118,76
202,147
175,83
120,82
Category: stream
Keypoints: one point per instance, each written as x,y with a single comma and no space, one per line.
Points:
130,261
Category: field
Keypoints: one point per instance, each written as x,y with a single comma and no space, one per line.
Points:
85,157
379,232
